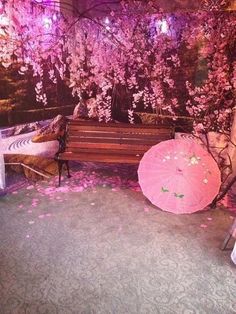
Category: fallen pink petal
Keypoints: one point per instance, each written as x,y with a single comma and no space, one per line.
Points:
30,187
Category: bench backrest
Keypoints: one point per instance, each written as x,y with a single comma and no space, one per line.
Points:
89,136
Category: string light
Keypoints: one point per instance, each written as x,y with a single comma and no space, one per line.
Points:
162,26
47,22
54,17
4,20
107,21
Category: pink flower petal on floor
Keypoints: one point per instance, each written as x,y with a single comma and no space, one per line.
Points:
29,211
20,206
92,204
48,214
78,189
209,218
63,189
27,236
146,209
203,226
41,216
231,217
31,222
30,187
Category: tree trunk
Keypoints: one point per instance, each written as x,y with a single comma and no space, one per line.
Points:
231,151
232,144
2,169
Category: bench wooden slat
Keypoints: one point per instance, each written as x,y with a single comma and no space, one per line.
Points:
131,141
123,130
111,158
94,124
141,136
105,151
117,146
120,133
93,133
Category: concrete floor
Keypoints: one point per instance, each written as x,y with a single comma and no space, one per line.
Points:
96,245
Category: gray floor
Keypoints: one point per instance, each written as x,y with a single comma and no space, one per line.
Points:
97,246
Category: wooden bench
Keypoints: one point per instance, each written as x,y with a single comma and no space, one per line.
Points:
107,142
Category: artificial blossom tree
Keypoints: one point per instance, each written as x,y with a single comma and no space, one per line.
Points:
137,58
137,49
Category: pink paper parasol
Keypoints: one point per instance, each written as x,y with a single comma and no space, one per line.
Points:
179,176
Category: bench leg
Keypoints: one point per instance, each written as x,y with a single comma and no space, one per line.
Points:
226,241
60,164
228,236
68,169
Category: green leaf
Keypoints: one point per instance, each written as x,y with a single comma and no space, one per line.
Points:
179,195
164,190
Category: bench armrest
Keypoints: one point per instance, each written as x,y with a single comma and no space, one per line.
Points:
62,144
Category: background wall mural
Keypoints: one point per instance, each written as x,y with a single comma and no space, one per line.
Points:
137,59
